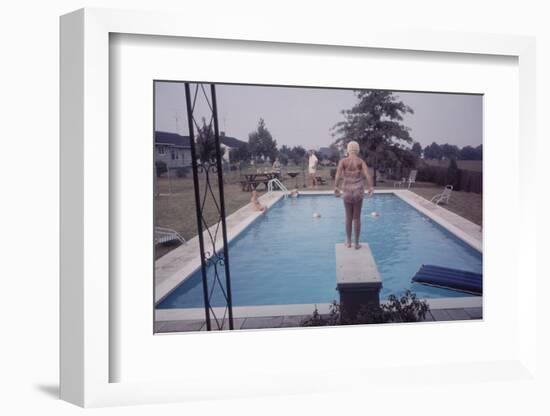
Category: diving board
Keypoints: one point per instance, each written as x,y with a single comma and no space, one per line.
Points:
447,278
357,277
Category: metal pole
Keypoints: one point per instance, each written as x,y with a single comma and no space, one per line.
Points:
198,205
222,204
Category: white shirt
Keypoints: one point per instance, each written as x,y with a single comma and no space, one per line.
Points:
313,161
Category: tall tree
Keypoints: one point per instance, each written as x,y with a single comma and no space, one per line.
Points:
240,153
206,143
285,154
450,151
433,151
375,123
261,143
297,154
416,149
479,151
468,153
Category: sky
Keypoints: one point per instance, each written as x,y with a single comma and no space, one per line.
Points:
305,116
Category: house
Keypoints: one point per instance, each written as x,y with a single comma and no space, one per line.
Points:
175,150
228,143
172,149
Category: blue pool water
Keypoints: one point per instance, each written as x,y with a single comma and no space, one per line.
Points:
288,257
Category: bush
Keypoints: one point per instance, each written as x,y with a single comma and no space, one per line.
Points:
407,308
160,167
453,175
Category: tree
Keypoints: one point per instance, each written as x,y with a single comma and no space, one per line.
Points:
450,151
206,143
297,154
284,154
375,123
433,151
239,154
261,143
334,153
453,175
468,153
479,151
416,149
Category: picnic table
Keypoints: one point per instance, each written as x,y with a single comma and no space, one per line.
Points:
252,180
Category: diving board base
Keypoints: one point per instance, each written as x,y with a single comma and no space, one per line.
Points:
357,279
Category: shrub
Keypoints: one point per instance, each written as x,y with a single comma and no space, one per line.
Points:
407,308
453,175
160,167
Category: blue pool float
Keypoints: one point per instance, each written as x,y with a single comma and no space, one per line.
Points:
454,279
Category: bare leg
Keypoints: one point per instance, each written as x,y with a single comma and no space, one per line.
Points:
357,221
349,217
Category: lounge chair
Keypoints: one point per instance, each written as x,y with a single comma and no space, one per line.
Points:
454,279
444,196
412,178
406,181
166,235
402,182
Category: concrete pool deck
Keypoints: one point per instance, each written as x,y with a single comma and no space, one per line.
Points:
291,316
176,266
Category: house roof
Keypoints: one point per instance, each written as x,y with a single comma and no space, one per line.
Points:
231,141
162,137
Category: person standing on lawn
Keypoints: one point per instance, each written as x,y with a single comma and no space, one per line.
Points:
312,168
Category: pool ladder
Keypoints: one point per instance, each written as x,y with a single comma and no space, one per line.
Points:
276,182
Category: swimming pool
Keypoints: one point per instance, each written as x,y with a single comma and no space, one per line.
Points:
287,257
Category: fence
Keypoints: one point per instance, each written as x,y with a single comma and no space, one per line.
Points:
464,180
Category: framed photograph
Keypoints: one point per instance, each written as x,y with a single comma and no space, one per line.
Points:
234,210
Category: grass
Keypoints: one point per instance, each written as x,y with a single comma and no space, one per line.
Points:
465,204
175,200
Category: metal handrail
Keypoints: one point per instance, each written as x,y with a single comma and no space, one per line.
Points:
275,181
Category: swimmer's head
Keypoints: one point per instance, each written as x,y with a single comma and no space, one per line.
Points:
353,147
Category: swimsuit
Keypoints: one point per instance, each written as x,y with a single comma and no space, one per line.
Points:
353,188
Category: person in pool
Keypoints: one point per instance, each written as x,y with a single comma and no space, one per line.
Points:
294,193
353,172
256,205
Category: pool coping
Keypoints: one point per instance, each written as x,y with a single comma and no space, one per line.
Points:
175,267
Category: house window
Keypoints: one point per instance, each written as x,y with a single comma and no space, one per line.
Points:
161,150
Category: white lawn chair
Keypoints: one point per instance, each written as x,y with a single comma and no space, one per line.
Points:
402,182
412,178
406,181
165,235
444,196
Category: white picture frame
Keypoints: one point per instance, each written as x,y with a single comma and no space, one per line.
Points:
86,262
